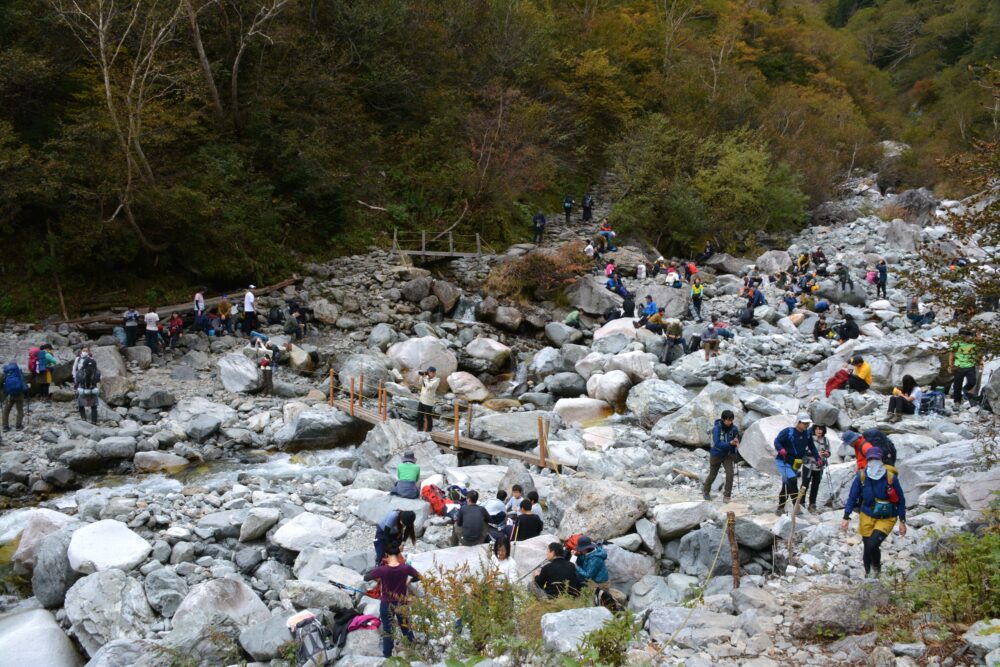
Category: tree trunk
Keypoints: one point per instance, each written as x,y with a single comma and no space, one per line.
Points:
206,68
234,96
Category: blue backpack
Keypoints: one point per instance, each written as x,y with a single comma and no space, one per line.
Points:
13,380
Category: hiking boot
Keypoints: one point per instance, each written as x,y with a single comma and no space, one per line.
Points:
812,509
869,575
780,510
706,495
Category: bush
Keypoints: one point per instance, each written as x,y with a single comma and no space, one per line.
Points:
608,644
540,273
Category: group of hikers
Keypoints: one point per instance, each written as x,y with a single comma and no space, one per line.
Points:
538,221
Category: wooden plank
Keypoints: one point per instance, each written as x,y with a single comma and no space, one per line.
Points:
436,253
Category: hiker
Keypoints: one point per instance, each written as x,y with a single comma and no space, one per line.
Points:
628,306
802,263
568,202
690,271
905,399
199,302
600,242
879,439
152,319
755,298
15,388
860,379
588,207
673,278
502,559
131,320
609,268
659,266
706,254
538,225
648,310
640,271
710,341
175,328
573,320
407,477
655,322
675,336
395,527
393,577
589,249
822,329
293,326
791,303
526,524
721,327
250,310
812,467
226,314
819,258
608,234
883,279
558,576
858,444
792,445
878,496
844,276
429,382
918,313
496,508
591,562
848,330
725,440
962,360
45,361
697,293
472,522
86,377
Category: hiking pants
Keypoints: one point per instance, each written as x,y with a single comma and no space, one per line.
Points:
968,376
131,335
714,463
568,211
901,405
538,236
268,382
873,550
811,480
425,417
880,289
386,613
93,412
152,341
845,281
9,403
789,491
854,383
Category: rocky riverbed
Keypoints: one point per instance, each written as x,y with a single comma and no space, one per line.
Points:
198,515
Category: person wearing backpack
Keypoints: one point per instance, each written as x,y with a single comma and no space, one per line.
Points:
588,207
879,439
812,468
131,320
858,444
962,361
394,577
725,440
568,203
883,279
792,445
86,377
538,226
878,496
15,388
45,361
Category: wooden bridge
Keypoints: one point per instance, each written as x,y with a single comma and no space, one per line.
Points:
350,399
440,245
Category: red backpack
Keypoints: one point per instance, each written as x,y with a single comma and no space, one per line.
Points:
571,541
435,496
33,355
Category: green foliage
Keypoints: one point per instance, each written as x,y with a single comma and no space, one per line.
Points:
607,645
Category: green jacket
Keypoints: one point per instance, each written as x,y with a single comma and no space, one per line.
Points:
408,472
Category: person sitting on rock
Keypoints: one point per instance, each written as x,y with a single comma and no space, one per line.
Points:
721,327
791,303
407,477
536,503
656,322
905,399
819,257
558,576
293,325
792,445
860,379
472,522
648,311
848,330
706,254
526,524
878,496
659,266
802,263
918,313
496,508
725,440
609,268
516,496
591,562
675,337
821,330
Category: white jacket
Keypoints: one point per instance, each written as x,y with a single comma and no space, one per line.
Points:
428,389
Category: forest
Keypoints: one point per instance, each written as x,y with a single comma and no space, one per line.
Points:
155,145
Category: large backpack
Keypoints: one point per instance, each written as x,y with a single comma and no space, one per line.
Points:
13,380
275,316
313,641
932,402
882,441
87,374
34,354
436,498
568,203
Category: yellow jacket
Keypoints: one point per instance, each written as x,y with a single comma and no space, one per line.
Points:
864,372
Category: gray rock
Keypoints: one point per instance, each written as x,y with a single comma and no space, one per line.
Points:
382,336
588,295
318,427
32,637
308,529
105,545
416,289
52,575
754,598
109,362
651,591
720,262
677,519
202,427
209,636
566,384
375,509
107,605
508,319
564,631
773,261
220,525
559,334
229,597
651,400
120,653
494,354
447,294
153,398
264,641
373,369
983,637
975,490
691,629
312,594
257,522
239,374
516,429
829,615
921,472
691,424
824,413
165,591
600,509
140,355
118,447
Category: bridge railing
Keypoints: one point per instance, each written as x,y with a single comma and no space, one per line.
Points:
436,243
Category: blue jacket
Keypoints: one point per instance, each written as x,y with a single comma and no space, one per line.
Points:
592,566
796,444
650,309
721,437
863,496
538,221
791,302
883,272
756,300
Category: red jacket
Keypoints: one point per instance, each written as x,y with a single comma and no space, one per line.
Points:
861,446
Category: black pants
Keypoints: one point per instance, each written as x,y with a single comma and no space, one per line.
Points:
10,402
249,322
854,383
844,282
901,405
267,385
131,336
425,417
538,237
93,413
789,491
873,550
714,463
880,289
568,212
655,328
810,481
968,376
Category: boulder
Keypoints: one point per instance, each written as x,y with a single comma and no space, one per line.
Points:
977,489
695,629
105,545
831,615
923,471
319,427
612,387
376,508
189,408
600,509
107,605
139,355
589,295
239,374
324,311
368,366
564,631
472,559
919,205
416,289
639,366
508,319
493,353
114,390
677,519
152,398
315,594
515,429
651,591
674,301
382,336
690,425
300,361
109,362
264,641
447,294
624,326
942,496
228,597
582,411
417,354
983,637
625,567
202,427
32,637
158,462
165,590
720,262
559,334
258,521
390,439
53,575
467,386
43,522
566,384
773,261
308,529
757,445
652,399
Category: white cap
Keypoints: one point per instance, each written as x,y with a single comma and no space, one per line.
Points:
253,287
804,418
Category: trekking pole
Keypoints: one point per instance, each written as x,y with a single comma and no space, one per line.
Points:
540,563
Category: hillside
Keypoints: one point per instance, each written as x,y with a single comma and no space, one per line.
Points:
187,142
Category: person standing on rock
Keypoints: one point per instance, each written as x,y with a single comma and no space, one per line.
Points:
407,477
175,328
675,337
131,321
844,276
568,203
250,310
199,302
226,314
538,225
86,377
860,378
882,282
558,576
45,362
429,382
878,496
697,294
394,577
725,440
812,467
395,528
962,361
15,388
710,341
588,207
793,444
152,319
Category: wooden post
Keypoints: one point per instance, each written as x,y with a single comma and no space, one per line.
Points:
457,435
478,248
541,443
795,512
734,549
351,409
423,242
361,393
378,410
451,243
331,388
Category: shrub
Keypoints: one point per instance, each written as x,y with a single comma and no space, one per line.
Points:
892,211
541,272
608,644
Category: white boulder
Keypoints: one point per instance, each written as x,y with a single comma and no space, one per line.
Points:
105,545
